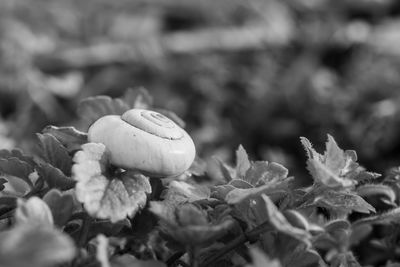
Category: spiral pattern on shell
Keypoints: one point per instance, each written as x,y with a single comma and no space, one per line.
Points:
144,140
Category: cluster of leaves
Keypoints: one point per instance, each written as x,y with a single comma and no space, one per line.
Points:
68,206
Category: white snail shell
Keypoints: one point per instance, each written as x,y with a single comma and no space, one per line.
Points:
144,140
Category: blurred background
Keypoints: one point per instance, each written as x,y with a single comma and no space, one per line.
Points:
260,73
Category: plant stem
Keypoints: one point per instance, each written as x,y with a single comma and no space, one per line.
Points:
248,236
86,222
193,256
174,258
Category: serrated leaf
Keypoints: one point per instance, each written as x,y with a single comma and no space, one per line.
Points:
33,211
54,153
262,172
17,168
93,108
54,177
325,176
112,198
226,171
260,259
238,195
138,98
69,137
61,206
341,201
278,220
311,153
335,158
242,162
29,246
180,191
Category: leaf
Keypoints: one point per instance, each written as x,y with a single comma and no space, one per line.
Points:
391,216
238,195
325,176
17,168
302,256
260,259
345,259
16,153
262,172
242,162
138,98
93,108
278,220
107,198
61,206
69,137
55,153
311,153
29,246
54,177
226,171
189,225
14,186
342,201
335,159
33,211
180,191
382,190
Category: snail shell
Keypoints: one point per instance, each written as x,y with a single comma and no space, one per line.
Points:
144,140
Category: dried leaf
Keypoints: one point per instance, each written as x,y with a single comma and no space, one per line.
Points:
111,198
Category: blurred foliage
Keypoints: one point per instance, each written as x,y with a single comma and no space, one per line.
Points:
257,72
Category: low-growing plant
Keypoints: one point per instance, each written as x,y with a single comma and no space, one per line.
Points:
105,200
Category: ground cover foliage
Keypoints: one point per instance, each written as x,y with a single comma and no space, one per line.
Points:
66,205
